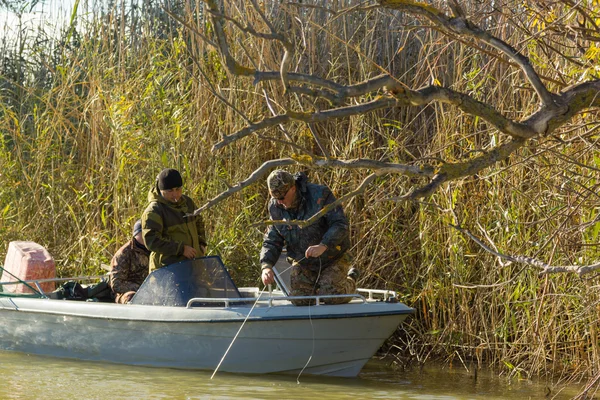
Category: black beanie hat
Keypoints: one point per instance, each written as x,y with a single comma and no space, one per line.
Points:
169,178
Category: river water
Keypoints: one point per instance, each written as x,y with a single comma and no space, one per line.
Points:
32,377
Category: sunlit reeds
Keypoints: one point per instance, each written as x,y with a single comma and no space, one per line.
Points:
90,116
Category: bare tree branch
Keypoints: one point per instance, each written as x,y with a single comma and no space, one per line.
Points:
386,91
263,170
461,26
231,64
579,97
469,105
381,167
306,117
260,76
303,223
545,268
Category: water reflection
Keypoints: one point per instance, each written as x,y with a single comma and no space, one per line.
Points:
34,377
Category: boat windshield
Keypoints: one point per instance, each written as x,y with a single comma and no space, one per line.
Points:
176,284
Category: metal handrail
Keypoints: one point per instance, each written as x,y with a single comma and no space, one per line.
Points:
39,288
317,298
37,282
75,278
225,300
387,294
270,300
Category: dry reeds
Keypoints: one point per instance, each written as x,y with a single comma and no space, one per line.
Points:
89,117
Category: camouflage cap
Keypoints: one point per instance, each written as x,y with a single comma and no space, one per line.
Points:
279,182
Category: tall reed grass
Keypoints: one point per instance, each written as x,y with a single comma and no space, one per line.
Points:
88,117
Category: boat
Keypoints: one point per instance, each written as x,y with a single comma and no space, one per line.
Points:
191,315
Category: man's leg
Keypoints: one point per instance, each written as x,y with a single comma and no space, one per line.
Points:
302,283
335,280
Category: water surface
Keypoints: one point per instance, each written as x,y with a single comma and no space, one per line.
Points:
34,377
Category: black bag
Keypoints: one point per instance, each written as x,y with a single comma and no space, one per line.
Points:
72,290
100,292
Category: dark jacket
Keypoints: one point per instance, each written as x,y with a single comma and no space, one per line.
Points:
331,229
129,268
166,229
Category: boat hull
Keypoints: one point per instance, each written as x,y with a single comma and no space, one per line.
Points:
332,340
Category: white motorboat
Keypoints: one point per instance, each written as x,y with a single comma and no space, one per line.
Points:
191,315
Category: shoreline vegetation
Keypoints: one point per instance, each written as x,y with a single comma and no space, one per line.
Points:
90,115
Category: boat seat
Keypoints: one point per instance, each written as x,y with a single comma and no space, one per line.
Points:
282,270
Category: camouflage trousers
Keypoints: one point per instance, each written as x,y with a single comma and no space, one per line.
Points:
333,279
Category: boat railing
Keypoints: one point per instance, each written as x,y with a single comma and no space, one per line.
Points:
370,294
317,298
374,294
73,278
269,300
37,282
224,300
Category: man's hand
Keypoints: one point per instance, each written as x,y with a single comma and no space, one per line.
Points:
128,296
315,251
267,276
189,251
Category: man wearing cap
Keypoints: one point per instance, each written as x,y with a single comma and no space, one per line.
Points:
318,252
129,267
169,233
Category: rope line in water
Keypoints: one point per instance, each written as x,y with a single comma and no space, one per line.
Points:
312,327
250,312
238,332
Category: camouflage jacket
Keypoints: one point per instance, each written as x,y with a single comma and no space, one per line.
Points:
129,268
166,229
331,229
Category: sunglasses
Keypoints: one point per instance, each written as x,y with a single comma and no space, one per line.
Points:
280,198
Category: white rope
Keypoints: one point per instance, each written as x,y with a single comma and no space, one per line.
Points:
238,332
250,312
311,327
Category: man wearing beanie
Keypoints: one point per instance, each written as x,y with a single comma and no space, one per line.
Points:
129,267
318,252
169,234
